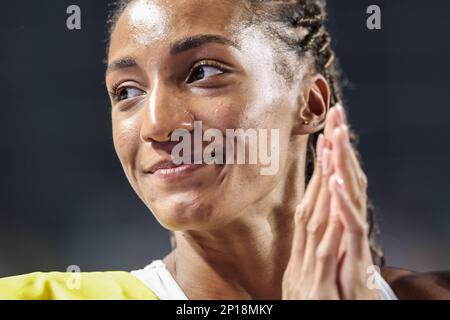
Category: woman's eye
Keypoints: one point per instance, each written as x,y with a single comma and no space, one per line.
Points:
128,93
204,72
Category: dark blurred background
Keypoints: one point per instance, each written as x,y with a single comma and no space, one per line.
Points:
64,199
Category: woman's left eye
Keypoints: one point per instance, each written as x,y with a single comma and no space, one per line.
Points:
204,72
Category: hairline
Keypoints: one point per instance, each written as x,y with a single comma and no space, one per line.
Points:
262,19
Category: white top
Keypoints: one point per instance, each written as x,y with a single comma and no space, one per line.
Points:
160,281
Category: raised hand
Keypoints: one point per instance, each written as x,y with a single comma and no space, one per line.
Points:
330,251
348,187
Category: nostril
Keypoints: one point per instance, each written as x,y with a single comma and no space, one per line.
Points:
164,147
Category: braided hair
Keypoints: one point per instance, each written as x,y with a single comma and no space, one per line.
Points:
300,26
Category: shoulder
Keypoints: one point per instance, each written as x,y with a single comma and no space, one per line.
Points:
108,285
408,284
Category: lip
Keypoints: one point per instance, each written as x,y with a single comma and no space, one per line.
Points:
177,171
166,169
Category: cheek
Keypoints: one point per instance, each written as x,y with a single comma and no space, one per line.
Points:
225,112
249,107
250,111
126,139
242,108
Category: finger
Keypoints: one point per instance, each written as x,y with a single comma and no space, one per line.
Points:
354,225
334,119
304,209
318,221
341,116
346,166
362,179
328,249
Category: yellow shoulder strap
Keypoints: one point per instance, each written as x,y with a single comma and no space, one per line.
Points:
109,285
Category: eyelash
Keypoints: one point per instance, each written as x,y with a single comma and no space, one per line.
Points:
114,92
207,63
115,89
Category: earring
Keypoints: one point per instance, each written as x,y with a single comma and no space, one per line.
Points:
306,122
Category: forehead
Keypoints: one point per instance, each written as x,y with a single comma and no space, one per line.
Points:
156,22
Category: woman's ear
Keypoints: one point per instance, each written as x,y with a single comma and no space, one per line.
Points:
313,106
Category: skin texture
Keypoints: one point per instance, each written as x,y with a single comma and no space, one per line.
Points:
233,226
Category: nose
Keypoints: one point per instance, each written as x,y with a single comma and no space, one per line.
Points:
163,114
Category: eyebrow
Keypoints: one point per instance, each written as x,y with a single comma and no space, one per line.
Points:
122,63
199,40
176,48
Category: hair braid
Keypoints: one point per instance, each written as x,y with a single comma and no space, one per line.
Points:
307,19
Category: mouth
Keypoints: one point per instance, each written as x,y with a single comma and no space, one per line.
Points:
168,169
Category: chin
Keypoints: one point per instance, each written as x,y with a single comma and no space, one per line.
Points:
187,215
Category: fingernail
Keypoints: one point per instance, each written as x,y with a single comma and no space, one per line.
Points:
336,133
342,116
326,161
344,140
346,134
319,147
339,181
339,185
334,206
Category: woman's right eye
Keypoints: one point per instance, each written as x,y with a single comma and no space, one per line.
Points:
125,93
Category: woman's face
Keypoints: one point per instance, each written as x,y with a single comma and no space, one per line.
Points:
172,61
